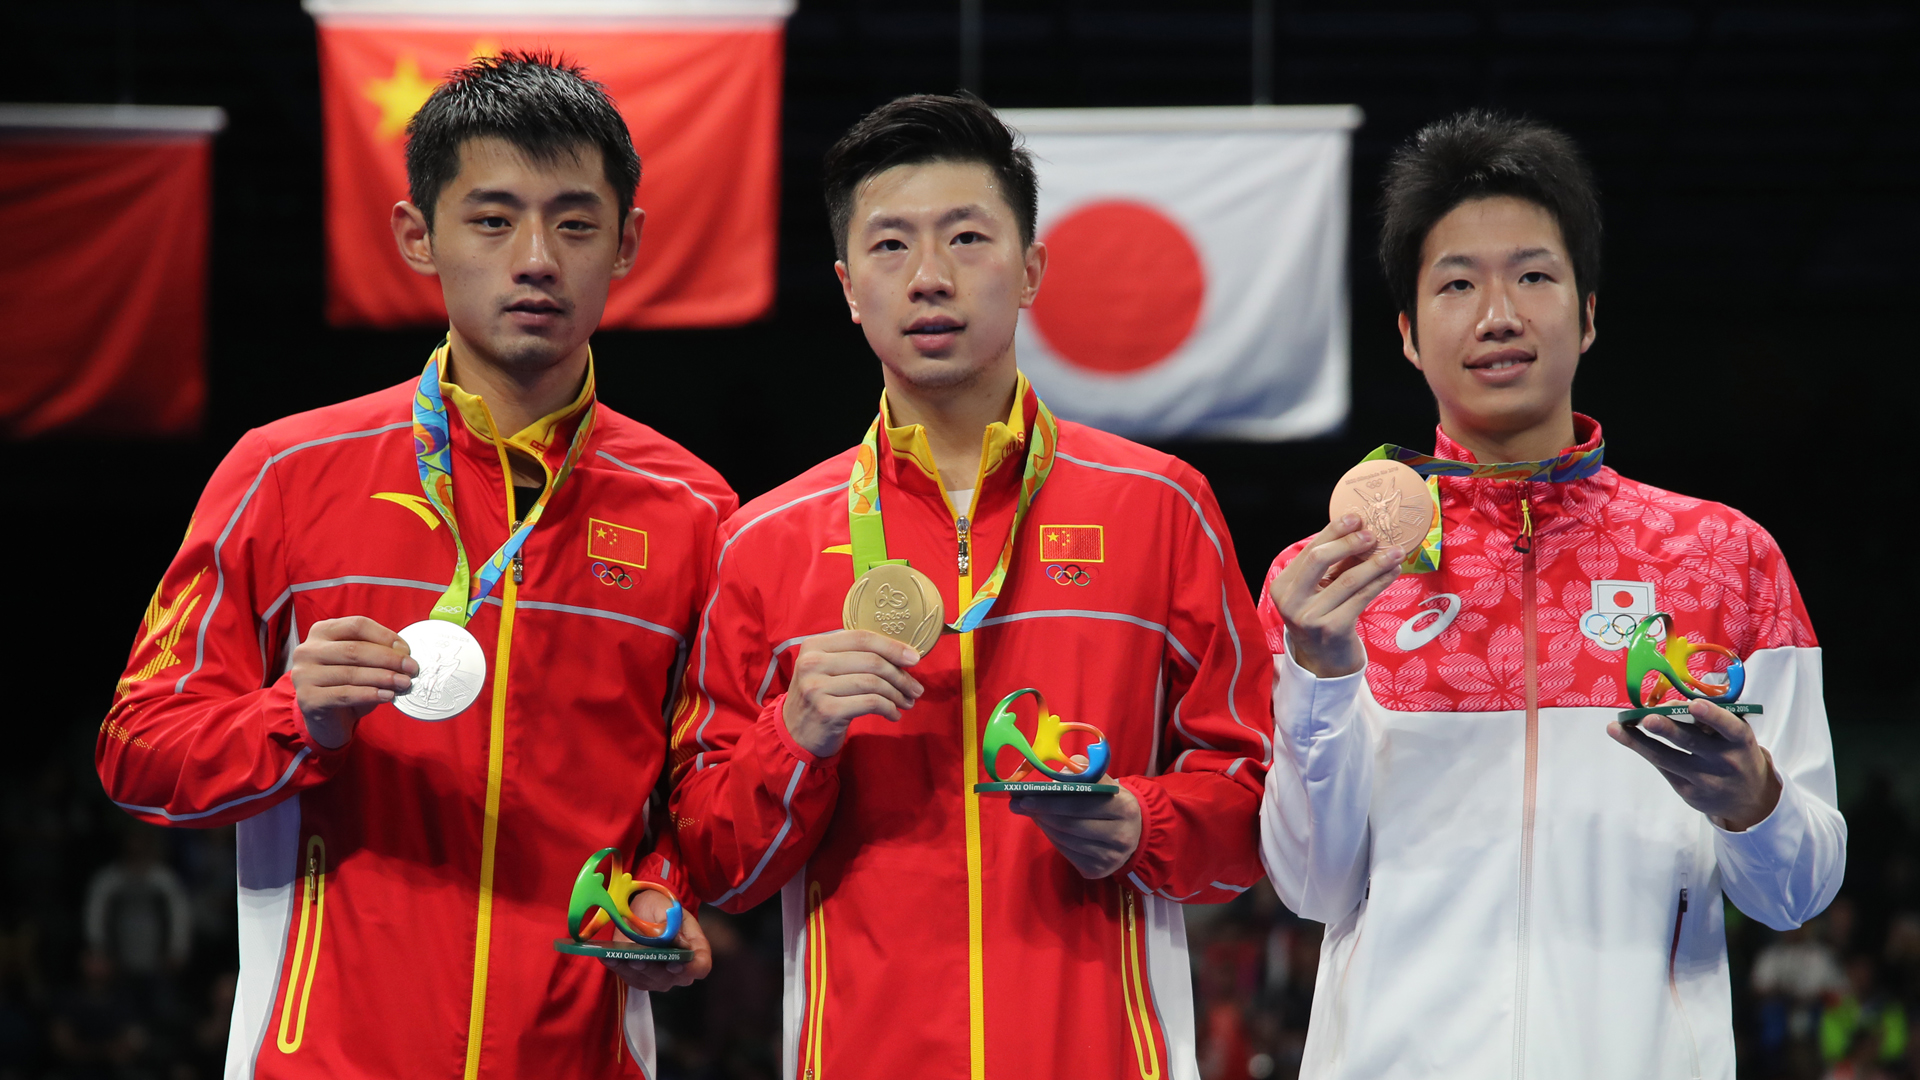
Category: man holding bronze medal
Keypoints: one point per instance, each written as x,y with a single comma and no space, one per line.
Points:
1519,879
423,710
868,614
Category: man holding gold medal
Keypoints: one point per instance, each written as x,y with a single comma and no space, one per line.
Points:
869,613
418,644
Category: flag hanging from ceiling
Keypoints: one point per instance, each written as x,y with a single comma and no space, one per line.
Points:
104,290
698,82
1196,280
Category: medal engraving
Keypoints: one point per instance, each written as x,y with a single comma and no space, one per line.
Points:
898,601
890,612
1390,499
452,669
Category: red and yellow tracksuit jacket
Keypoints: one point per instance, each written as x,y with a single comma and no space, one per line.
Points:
399,896
930,932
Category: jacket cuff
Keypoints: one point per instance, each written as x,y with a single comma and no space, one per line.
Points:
1776,839
1146,869
1306,706
770,715
660,869
296,721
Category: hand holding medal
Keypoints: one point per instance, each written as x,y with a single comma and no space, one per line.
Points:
896,600
342,670
452,668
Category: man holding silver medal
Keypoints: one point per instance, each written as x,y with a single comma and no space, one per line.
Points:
868,613
413,805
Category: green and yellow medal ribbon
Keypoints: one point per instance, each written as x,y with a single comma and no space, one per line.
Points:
433,448
869,536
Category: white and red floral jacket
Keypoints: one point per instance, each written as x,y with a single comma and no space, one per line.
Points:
1508,892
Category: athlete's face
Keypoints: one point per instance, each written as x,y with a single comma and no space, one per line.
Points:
936,272
1498,310
524,251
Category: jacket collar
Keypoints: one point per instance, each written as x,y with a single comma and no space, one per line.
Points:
1554,506
906,458
1586,435
545,440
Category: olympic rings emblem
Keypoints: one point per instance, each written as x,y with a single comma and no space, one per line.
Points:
612,575
1612,630
1069,574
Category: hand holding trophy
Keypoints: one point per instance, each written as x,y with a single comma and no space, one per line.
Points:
1670,669
1068,773
609,900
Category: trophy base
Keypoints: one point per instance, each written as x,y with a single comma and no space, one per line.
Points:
1680,712
622,950
1045,787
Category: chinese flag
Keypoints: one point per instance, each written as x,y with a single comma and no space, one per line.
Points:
1072,543
702,99
616,543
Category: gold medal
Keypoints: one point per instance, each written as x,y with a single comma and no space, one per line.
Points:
896,600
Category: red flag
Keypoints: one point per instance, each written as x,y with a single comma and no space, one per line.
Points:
1073,543
616,543
104,208
701,98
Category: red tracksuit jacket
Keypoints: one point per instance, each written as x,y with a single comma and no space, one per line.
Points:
399,896
929,931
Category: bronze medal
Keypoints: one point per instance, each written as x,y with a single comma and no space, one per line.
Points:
1390,499
896,600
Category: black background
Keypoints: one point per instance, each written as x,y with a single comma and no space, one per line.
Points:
1758,168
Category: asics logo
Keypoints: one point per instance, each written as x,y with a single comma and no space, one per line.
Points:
1428,621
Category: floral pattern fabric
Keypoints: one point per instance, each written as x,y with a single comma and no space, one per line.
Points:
1595,539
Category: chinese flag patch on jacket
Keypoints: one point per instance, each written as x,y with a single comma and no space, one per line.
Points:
1072,543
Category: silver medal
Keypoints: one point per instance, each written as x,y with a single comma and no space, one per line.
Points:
452,669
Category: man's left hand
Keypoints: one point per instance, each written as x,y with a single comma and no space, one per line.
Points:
1097,833
1724,773
653,975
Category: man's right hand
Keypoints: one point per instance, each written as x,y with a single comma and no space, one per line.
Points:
1322,592
844,675
343,669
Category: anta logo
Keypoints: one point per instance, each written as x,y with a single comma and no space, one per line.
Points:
415,502
1428,621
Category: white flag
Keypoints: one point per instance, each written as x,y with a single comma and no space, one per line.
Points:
1197,274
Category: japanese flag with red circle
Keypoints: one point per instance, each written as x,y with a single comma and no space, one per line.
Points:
1196,282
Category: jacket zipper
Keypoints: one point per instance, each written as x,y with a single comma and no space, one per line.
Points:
969,774
496,774
1523,543
306,949
1673,979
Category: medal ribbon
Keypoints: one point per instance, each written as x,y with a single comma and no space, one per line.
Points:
433,447
1574,464
869,536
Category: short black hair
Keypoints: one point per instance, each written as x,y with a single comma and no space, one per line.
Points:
921,128
1480,154
536,100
